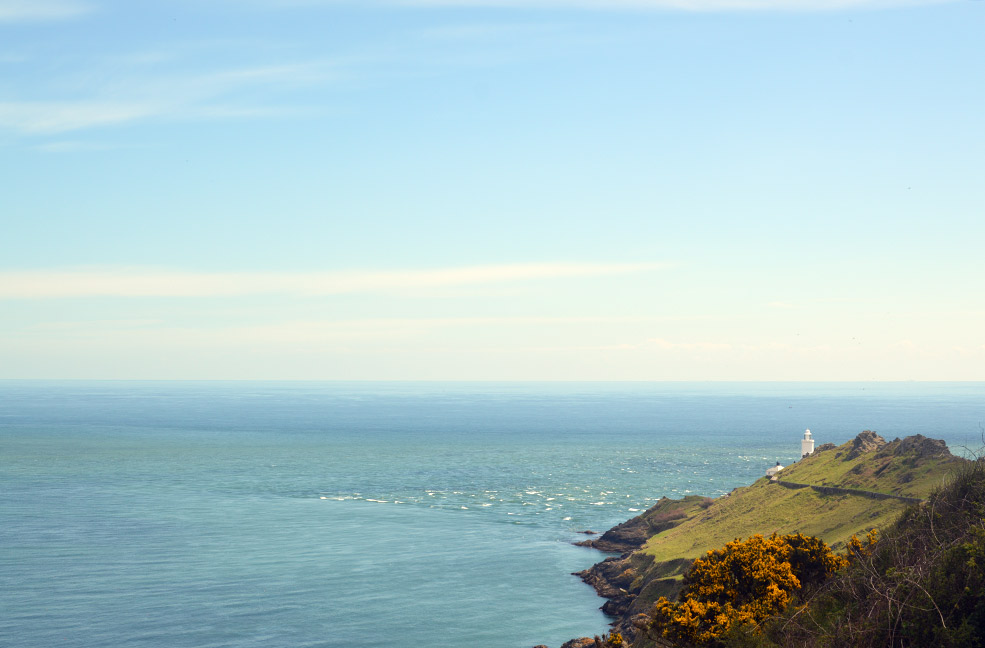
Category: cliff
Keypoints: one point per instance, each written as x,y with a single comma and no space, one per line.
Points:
834,493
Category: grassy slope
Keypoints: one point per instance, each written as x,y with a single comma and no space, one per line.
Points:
923,584
880,471
765,508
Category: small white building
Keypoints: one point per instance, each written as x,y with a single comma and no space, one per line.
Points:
806,444
771,472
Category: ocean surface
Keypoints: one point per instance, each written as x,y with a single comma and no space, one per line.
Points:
243,514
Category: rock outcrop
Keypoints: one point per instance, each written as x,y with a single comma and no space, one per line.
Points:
581,642
923,447
867,441
633,534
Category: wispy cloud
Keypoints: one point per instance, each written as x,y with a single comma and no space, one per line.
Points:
151,283
144,91
73,146
50,117
41,10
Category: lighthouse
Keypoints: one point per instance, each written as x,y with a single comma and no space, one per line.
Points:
806,444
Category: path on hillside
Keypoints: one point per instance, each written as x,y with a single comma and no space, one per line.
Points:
834,490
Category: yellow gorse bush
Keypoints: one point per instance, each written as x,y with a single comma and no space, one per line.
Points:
862,548
743,583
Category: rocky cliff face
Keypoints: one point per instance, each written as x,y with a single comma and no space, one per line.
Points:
921,446
867,441
619,579
633,534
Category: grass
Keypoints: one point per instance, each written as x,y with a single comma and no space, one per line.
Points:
922,584
881,471
766,508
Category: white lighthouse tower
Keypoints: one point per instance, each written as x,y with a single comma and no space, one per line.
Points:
806,444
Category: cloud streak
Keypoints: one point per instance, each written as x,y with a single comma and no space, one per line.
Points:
41,10
49,117
129,283
149,93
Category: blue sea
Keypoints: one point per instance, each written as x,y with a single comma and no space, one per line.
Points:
276,515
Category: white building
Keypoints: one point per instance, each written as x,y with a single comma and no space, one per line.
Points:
806,444
771,472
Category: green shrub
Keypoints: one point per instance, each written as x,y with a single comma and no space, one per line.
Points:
922,584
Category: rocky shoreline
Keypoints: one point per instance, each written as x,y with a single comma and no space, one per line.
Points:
613,577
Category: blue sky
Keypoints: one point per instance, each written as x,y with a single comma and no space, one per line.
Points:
497,190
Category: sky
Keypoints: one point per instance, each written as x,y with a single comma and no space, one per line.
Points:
492,189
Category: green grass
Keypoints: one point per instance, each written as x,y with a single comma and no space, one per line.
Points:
766,508
880,471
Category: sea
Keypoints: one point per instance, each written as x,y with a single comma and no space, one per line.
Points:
336,514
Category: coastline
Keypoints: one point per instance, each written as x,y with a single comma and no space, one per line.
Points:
650,564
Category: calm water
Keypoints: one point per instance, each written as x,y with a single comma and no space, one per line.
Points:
374,514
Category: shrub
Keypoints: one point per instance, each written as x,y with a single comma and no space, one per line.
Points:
742,584
921,584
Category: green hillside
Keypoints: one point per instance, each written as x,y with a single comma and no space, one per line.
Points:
921,584
912,467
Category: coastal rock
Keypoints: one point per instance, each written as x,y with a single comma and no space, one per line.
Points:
608,577
617,579
867,441
633,534
627,536
922,447
581,642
